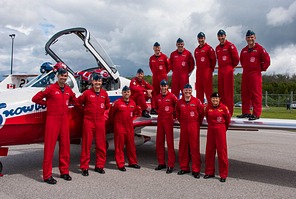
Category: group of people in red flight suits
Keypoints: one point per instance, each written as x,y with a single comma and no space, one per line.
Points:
189,110
94,102
253,58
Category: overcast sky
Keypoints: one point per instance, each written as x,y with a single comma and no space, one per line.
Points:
128,29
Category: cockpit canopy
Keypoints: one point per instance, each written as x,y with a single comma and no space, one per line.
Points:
83,55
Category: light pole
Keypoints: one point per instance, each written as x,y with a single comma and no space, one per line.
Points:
11,62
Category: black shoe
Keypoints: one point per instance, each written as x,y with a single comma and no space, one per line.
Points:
245,115
182,172
50,180
145,114
153,111
99,170
209,176
253,117
66,177
159,167
196,174
222,179
85,172
169,170
122,169
135,166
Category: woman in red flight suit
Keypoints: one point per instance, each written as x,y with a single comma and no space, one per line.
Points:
95,101
218,118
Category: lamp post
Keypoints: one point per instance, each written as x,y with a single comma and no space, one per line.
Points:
11,62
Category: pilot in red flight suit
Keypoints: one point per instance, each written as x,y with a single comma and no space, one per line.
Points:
95,102
58,97
121,116
160,66
190,113
141,92
165,106
218,118
182,64
205,59
228,59
254,60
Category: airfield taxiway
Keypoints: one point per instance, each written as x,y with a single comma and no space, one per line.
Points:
262,165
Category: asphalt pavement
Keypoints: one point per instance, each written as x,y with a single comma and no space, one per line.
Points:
262,165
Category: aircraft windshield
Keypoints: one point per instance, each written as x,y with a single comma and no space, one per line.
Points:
29,84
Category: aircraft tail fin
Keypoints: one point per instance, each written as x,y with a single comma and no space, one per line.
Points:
15,81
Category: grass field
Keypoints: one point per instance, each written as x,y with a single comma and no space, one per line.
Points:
272,112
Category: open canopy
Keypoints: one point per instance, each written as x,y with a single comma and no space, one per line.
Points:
66,44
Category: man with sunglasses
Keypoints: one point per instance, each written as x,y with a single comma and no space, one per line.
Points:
228,59
58,97
205,59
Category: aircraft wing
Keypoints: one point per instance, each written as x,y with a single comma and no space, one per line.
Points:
142,121
263,123
236,123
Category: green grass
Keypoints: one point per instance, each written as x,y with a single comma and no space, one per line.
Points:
272,112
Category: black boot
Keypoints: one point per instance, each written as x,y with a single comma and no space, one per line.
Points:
145,114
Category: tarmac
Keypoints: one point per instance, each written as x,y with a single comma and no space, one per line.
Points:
262,164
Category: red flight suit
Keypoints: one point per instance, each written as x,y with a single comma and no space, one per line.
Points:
93,126
121,116
160,67
190,115
218,119
228,59
165,106
182,64
139,93
205,59
253,62
56,126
